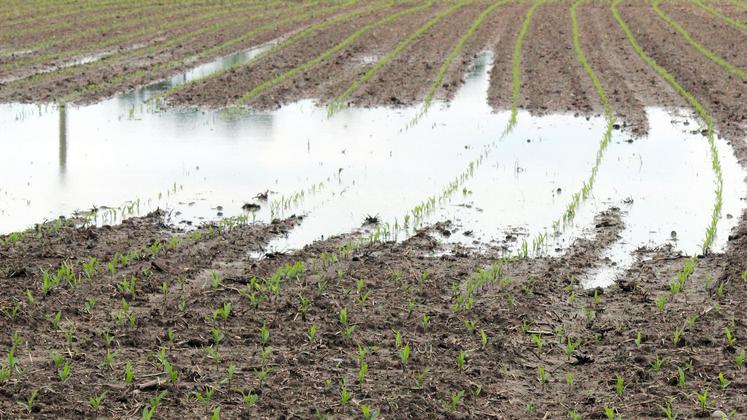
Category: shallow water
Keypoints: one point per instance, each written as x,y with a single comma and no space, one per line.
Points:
204,163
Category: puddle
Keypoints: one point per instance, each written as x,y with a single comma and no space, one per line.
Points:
204,164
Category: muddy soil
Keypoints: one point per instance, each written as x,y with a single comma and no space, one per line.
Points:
113,74
528,315
339,70
722,94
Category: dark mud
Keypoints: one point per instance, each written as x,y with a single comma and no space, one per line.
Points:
385,288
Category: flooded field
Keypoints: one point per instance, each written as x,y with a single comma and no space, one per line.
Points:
405,209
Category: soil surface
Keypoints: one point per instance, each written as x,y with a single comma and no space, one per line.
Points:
527,314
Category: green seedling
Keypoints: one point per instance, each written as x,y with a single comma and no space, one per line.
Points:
542,375
668,411
730,338
264,334
57,359
569,379
681,380
638,339
571,346
97,400
573,415
55,320
397,340
344,395
216,279
89,304
456,399
677,336
609,412
461,359
420,379
216,335
65,372
661,303
223,312
216,413
129,373
703,400
483,338
739,359
205,397
657,364
249,399
369,413
723,382
28,404
425,321
538,342
619,384
108,359
150,410
404,355
311,335
362,372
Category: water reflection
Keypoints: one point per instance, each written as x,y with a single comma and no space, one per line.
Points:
63,141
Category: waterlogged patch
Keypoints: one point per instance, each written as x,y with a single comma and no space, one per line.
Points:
204,164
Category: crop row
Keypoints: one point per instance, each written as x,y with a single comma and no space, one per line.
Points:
150,49
293,39
178,21
68,11
736,71
262,87
340,101
205,53
463,40
729,21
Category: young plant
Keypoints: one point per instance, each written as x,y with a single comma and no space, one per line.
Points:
344,395
461,360
739,359
28,404
638,339
657,364
538,342
667,410
264,334
456,399
723,382
150,410
619,384
404,355
703,400
542,375
420,379
681,380
369,413
64,373
311,335
97,400
129,373
249,399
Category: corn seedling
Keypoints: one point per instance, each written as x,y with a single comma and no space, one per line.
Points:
461,359
722,381
404,355
657,364
739,359
129,373
681,380
542,375
150,410
65,372
703,400
28,404
344,395
216,413
264,334
730,338
638,339
216,279
677,336
538,342
369,413
97,400
205,397
569,379
89,304
609,412
456,399
619,384
483,338
573,415
668,411
425,321
420,379
661,303
362,372
249,399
